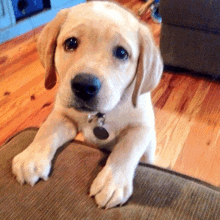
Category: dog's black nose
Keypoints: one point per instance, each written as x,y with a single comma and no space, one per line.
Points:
85,86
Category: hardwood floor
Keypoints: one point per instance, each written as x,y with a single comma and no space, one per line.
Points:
187,109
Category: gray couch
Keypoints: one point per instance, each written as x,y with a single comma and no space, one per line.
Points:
159,194
190,36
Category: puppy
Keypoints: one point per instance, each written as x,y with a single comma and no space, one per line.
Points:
107,65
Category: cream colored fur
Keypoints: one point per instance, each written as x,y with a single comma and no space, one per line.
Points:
124,96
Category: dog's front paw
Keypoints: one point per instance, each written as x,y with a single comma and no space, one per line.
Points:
29,166
111,188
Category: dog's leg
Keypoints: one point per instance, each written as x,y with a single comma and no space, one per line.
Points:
149,154
145,7
35,161
114,184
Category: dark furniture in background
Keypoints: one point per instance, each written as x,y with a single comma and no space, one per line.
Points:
190,36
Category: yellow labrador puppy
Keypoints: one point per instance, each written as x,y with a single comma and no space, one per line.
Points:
107,65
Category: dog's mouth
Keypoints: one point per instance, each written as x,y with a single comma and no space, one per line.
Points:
84,109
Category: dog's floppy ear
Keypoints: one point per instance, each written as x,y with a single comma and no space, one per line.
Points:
150,65
46,45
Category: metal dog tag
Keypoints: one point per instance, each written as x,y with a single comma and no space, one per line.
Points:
101,133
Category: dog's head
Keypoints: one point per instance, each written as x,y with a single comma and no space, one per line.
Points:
100,52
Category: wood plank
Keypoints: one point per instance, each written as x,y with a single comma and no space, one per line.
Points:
199,156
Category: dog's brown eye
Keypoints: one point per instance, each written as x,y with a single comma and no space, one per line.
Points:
71,44
120,53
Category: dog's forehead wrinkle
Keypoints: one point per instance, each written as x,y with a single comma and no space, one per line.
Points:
98,24
100,8
104,12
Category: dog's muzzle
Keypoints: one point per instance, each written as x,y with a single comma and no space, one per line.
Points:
85,86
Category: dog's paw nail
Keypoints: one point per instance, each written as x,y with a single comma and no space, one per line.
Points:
108,207
21,182
31,184
45,178
33,181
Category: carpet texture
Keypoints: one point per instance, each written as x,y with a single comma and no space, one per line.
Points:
158,193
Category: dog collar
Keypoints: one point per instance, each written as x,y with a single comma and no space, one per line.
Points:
99,131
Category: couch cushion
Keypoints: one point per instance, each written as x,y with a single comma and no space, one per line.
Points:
191,49
197,14
158,193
